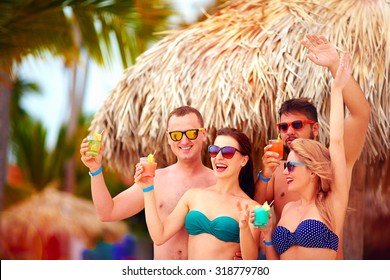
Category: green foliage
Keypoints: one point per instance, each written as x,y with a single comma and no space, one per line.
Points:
61,28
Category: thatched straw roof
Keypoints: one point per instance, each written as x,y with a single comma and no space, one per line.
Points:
55,213
237,67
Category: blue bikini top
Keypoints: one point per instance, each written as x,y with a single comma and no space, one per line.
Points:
224,228
309,233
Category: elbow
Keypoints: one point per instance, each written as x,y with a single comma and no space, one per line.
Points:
158,241
366,111
105,218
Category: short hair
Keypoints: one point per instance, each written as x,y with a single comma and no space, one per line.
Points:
246,180
185,110
301,105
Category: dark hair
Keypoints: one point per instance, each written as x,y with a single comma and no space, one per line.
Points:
301,105
246,180
185,110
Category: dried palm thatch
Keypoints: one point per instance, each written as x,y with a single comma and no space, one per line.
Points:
239,65
55,213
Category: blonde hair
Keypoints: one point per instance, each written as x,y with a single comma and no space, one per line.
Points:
316,157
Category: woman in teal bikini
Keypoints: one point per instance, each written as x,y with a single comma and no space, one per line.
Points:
310,227
216,218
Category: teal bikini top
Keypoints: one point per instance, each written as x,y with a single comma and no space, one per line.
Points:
224,228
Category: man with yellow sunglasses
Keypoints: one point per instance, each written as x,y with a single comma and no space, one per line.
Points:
186,137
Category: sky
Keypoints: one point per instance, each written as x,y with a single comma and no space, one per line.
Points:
51,106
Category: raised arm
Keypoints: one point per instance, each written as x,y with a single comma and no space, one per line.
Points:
249,236
340,186
124,205
323,53
160,231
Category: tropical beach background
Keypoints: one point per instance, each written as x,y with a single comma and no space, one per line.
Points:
84,66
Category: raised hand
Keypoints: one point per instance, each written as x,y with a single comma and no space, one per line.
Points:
270,161
141,181
322,52
243,214
343,72
93,163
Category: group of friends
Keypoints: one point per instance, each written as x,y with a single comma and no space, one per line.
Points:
194,212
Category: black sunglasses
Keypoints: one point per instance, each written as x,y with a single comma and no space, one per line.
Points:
291,164
298,124
191,134
227,152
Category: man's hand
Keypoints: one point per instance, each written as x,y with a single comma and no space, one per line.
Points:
270,162
322,52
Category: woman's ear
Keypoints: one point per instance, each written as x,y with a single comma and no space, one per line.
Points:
244,160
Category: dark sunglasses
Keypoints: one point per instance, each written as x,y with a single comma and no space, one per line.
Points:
291,164
298,124
191,134
227,152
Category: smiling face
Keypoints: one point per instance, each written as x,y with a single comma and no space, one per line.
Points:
224,167
299,177
186,149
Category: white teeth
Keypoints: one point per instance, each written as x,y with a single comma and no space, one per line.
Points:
185,148
220,165
289,180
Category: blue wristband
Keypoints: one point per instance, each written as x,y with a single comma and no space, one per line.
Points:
148,189
97,172
267,243
266,180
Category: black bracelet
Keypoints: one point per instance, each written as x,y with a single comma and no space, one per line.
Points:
266,180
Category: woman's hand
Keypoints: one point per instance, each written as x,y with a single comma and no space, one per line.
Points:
343,72
243,215
141,181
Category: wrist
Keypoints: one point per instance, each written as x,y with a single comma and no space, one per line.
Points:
96,172
262,177
148,189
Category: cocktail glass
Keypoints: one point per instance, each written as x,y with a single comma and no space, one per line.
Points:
149,165
261,215
94,144
277,146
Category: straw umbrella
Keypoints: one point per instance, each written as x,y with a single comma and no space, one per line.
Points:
239,65
55,213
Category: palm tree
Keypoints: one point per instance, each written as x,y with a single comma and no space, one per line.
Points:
69,29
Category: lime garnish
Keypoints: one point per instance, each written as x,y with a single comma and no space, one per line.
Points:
97,136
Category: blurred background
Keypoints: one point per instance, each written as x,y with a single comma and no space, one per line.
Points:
59,62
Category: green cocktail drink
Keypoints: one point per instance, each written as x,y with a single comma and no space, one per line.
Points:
261,215
94,144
